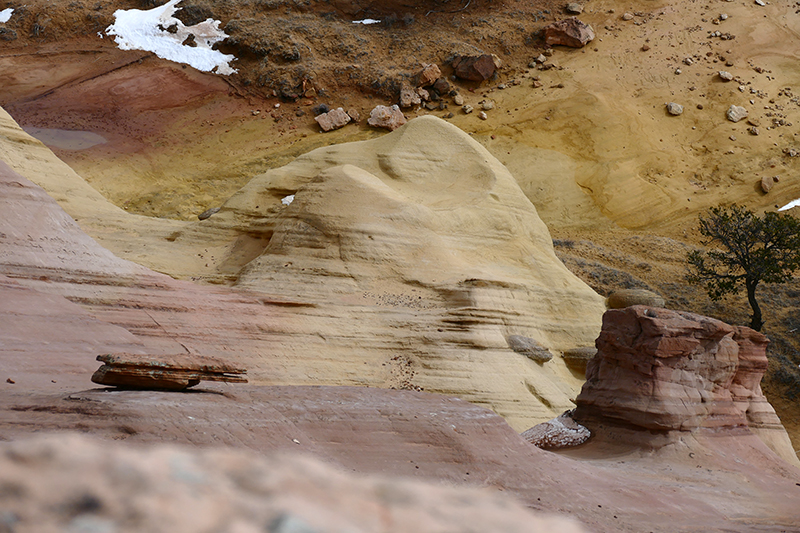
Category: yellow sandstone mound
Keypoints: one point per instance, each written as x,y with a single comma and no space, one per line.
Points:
408,261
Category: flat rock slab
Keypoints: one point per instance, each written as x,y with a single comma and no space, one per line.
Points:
170,372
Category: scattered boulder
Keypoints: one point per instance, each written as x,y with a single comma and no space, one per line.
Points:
458,99
467,109
736,113
423,94
354,115
474,68
169,372
627,16
320,109
441,86
409,97
383,116
674,109
487,105
560,432
725,75
578,358
574,8
568,32
428,75
767,183
529,348
629,297
333,119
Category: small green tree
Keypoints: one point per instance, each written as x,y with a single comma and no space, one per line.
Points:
745,248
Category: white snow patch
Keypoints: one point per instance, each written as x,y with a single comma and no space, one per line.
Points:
366,21
136,29
5,15
793,203
287,200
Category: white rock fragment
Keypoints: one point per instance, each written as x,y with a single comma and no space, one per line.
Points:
760,3
674,109
736,113
5,15
287,200
725,75
560,432
366,21
136,29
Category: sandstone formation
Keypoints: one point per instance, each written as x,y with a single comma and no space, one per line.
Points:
676,372
74,483
380,255
171,372
568,32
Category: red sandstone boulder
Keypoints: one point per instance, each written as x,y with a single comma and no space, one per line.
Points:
428,75
475,68
568,32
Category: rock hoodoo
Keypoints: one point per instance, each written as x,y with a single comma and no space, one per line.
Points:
668,371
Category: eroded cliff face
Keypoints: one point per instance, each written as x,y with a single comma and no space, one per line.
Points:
403,262
667,374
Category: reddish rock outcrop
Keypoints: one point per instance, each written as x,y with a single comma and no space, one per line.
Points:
171,372
668,371
568,32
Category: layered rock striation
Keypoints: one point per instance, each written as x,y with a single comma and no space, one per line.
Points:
667,372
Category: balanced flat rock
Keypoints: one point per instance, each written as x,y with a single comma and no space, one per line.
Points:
171,372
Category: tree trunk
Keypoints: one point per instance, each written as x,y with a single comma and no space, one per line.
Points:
755,320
